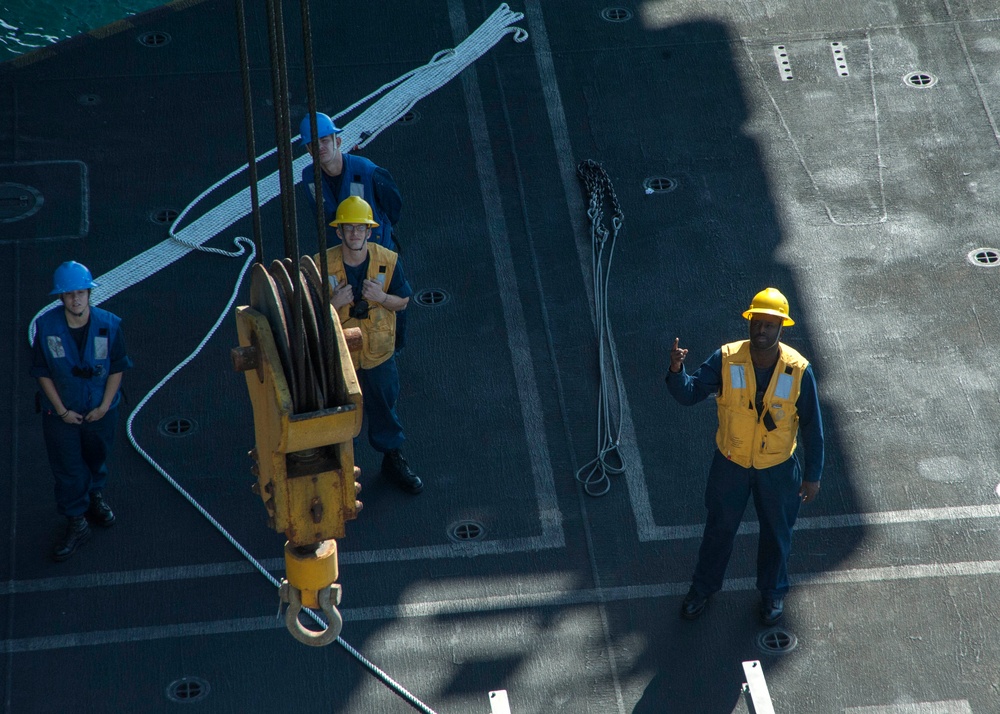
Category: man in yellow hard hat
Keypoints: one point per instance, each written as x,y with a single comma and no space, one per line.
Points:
344,175
368,289
766,397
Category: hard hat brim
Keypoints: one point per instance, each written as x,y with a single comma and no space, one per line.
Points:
786,320
370,224
303,142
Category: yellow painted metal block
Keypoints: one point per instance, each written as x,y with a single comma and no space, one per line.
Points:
305,462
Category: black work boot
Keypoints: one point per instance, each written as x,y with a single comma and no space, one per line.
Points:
77,533
693,605
394,466
99,511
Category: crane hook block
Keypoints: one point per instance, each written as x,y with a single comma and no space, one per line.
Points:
311,572
307,409
305,417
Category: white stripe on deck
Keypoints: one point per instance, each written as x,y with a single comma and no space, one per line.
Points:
494,603
955,706
499,547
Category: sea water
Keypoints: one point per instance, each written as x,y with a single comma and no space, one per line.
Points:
26,25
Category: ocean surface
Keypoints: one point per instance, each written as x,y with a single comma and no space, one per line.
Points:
26,25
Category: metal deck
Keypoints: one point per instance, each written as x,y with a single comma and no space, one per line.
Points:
858,192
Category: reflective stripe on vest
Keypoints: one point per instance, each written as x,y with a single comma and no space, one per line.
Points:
378,330
78,392
745,437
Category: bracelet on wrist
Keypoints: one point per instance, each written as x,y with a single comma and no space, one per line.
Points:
63,414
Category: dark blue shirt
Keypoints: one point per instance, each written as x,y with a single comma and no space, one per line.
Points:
690,389
398,285
384,187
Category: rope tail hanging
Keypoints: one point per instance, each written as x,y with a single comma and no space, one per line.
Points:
595,474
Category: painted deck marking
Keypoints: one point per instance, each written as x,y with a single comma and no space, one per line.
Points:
494,603
514,320
955,706
784,63
514,545
839,59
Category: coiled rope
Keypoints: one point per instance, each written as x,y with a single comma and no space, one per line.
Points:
401,95
595,474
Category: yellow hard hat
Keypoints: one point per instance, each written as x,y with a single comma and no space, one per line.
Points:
354,210
770,301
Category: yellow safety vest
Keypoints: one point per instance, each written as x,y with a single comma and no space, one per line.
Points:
744,437
378,330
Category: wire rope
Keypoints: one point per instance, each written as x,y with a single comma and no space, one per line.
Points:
244,243
609,461
400,96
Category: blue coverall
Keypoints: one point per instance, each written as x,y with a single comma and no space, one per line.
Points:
775,490
78,452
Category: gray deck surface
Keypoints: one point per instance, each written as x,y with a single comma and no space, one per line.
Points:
859,196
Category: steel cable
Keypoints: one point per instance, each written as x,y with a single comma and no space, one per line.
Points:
244,243
241,34
401,95
595,474
324,321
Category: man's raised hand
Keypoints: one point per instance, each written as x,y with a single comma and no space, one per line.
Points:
677,355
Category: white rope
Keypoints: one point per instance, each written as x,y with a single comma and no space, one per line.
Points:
595,474
240,241
403,94
400,96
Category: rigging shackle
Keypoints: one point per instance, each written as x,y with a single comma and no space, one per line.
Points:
329,598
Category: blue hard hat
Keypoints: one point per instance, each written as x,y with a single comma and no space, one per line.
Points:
324,127
71,276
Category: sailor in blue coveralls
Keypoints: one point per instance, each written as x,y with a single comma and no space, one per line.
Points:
369,291
78,357
346,175
766,397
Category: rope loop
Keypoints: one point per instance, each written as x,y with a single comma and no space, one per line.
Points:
595,474
442,55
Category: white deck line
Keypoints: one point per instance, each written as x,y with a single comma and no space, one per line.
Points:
499,547
495,603
517,334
